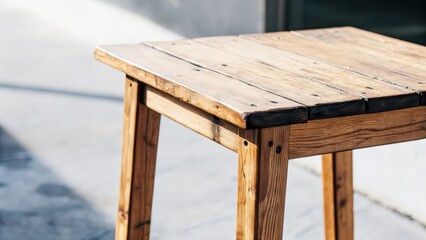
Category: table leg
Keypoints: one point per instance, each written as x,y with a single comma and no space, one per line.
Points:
262,179
140,140
338,196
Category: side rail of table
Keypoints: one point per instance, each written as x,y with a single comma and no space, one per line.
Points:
306,139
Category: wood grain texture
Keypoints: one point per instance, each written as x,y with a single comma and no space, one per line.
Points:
338,196
234,101
323,101
266,80
262,178
360,131
384,68
193,118
379,95
140,140
358,43
406,54
306,139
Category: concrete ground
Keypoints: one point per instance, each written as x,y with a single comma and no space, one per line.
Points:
60,139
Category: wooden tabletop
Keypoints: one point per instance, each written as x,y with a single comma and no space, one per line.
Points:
264,80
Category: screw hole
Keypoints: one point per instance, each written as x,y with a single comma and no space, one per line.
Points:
278,149
274,102
224,65
369,88
253,105
130,84
315,95
245,143
270,143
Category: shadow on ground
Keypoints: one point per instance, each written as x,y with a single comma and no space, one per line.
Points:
35,203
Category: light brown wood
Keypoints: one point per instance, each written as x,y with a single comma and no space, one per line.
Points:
316,95
354,132
384,69
234,101
313,138
338,196
262,179
140,140
379,95
193,118
406,54
355,43
393,45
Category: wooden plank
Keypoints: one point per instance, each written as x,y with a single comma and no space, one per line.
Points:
306,139
191,117
406,54
354,132
234,101
140,138
359,62
338,196
379,95
262,179
323,101
413,66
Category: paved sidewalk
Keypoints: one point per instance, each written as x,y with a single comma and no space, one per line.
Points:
60,140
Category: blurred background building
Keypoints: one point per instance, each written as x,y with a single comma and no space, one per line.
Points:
401,19
60,123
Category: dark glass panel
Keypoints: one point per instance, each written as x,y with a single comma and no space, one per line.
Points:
404,19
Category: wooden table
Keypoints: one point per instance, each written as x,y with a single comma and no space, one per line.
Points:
270,98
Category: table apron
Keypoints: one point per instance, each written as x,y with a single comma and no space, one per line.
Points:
306,139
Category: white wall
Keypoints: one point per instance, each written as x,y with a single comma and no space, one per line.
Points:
393,175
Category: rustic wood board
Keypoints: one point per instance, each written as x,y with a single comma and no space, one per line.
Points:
360,131
404,53
267,80
383,68
262,180
338,195
323,101
379,95
140,141
191,117
234,101
312,138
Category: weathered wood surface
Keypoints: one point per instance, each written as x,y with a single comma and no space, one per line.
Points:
323,101
266,80
360,131
379,95
382,67
234,101
338,196
262,181
140,138
404,53
312,138
189,116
